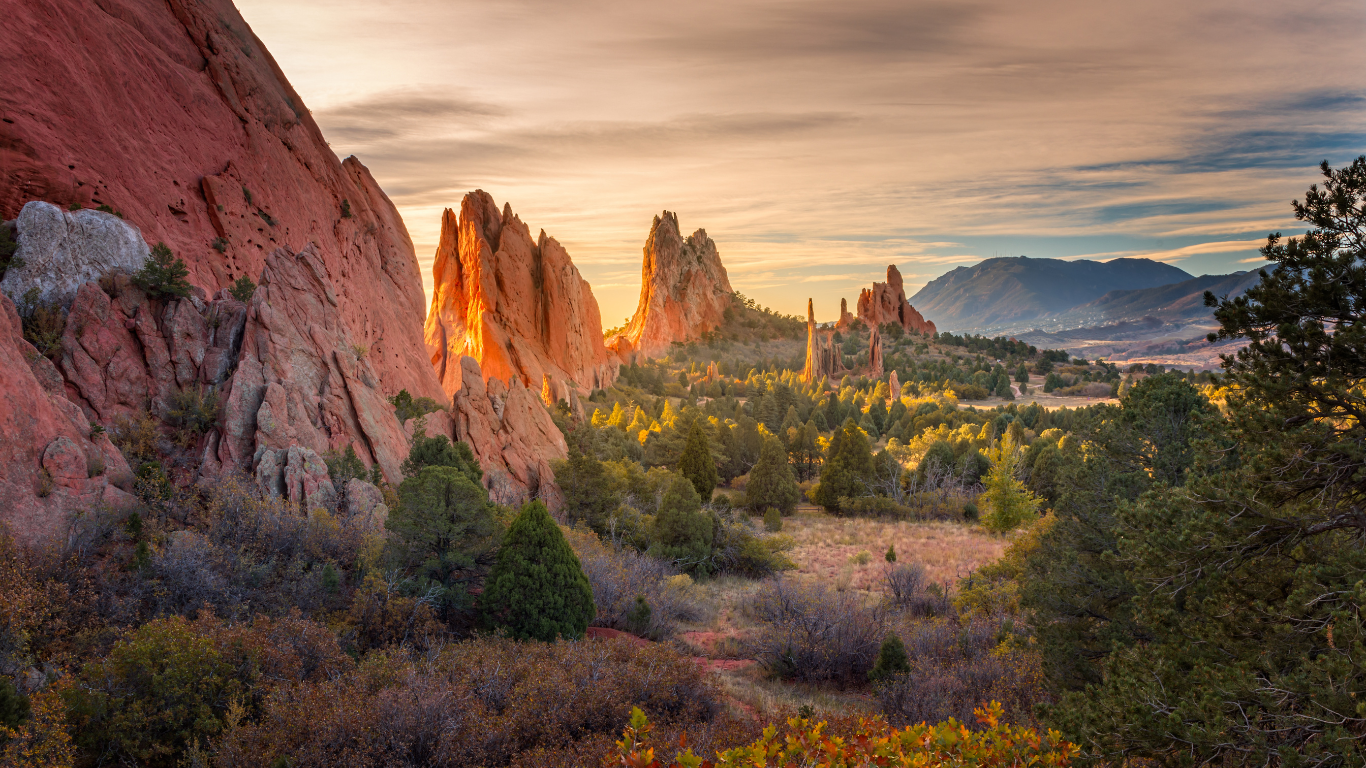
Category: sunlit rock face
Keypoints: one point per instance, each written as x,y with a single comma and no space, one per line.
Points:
684,291
886,303
515,304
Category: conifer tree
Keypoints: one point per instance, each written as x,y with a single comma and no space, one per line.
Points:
163,275
848,465
771,484
697,463
588,493
1008,503
891,659
682,533
537,589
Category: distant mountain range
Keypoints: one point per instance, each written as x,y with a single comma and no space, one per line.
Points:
1018,294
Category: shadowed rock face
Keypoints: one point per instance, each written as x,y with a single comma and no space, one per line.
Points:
684,291
886,303
516,305
174,114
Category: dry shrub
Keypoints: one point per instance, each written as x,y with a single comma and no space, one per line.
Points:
955,666
725,732
815,634
907,590
480,702
618,575
248,554
136,437
381,615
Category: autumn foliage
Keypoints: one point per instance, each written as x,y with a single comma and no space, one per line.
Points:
807,744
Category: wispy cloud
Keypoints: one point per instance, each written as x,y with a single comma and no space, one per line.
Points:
817,141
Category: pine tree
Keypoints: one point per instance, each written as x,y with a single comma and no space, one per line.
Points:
848,465
446,527
682,533
537,589
891,659
771,484
588,493
1007,501
697,463
163,275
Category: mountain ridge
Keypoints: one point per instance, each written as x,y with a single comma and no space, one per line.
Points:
1018,290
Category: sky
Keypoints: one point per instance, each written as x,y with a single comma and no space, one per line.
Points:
818,142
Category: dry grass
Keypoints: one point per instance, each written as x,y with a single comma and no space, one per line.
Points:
828,548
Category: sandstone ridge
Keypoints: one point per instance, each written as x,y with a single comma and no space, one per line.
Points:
684,292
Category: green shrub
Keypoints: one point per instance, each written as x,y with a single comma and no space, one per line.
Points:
891,659
14,705
192,411
346,208
163,275
408,407
43,322
8,247
220,244
537,589
243,289
440,452
588,493
891,553
448,529
344,466
773,520
638,617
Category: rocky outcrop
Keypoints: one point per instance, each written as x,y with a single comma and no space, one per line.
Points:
886,303
510,432
893,385
823,359
875,353
297,474
62,250
51,464
518,306
846,320
301,379
684,292
175,115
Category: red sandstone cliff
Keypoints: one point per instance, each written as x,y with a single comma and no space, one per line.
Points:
823,358
684,291
886,303
516,305
173,113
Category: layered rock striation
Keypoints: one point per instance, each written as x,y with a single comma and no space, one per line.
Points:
515,304
684,292
886,303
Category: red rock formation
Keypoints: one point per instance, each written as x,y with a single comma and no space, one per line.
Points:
875,353
510,431
174,114
823,357
893,385
684,292
517,305
50,464
886,303
846,320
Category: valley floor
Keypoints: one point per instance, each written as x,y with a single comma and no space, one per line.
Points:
843,553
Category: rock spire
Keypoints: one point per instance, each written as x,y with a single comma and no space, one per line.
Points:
822,355
684,291
515,304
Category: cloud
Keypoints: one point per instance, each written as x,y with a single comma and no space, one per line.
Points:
818,141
